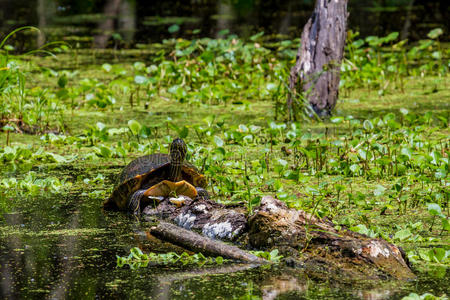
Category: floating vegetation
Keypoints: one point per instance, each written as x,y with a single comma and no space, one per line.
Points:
138,259
31,185
20,155
191,71
426,296
271,256
6,231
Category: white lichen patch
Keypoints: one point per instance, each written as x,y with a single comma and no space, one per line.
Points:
218,230
185,220
272,207
237,231
374,249
201,208
269,203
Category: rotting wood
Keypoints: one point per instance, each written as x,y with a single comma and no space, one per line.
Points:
212,219
198,243
316,244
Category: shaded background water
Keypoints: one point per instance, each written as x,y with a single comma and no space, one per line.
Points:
130,22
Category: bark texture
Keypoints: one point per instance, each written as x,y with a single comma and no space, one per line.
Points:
210,218
106,27
319,57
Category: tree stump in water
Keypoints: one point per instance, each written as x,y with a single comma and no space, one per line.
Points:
319,57
306,241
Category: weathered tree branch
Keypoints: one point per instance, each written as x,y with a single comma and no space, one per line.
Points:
196,242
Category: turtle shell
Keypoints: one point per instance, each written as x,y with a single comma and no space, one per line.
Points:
143,173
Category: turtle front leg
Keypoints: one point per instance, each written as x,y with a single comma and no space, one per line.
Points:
134,204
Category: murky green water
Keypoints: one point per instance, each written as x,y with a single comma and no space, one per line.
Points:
66,247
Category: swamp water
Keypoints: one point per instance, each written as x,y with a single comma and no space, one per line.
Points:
66,247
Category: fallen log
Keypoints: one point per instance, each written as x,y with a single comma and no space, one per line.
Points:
307,242
196,242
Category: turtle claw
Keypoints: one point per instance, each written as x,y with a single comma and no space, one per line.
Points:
157,199
202,194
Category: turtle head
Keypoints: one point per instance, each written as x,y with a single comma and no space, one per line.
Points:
177,152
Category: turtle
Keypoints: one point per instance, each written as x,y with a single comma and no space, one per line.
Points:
156,176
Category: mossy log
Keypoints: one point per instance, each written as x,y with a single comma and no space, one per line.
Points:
307,242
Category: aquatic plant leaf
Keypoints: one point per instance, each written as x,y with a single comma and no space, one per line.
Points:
435,33
218,141
434,209
107,67
379,190
134,126
139,79
174,28
402,235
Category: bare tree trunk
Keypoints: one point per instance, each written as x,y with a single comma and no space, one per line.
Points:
319,57
225,15
127,20
407,25
106,27
45,10
42,22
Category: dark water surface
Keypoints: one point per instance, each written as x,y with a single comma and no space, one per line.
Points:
66,247
79,22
